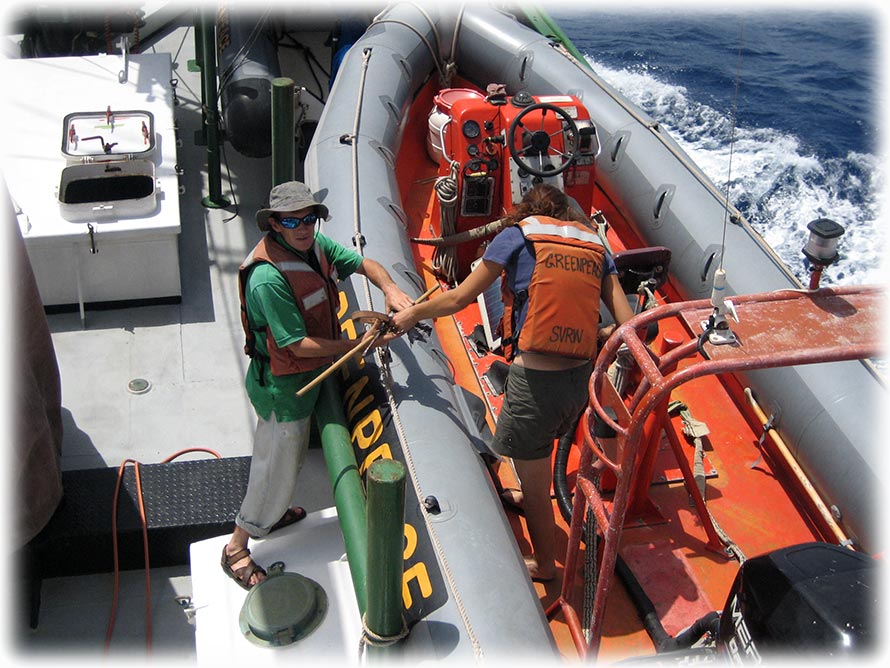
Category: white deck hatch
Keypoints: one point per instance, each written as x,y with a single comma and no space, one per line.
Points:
100,217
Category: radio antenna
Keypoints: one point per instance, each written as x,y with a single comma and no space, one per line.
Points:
735,109
716,327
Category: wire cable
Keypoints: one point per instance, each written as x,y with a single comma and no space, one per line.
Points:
735,109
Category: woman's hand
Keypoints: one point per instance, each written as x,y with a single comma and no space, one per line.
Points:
604,333
405,320
375,337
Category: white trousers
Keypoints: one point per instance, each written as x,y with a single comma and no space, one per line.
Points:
279,450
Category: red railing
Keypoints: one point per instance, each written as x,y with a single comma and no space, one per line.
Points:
775,329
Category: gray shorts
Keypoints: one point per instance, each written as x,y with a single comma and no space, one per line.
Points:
539,406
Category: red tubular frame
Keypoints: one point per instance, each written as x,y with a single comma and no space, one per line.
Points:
660,376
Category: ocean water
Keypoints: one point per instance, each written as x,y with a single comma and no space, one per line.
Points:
780,108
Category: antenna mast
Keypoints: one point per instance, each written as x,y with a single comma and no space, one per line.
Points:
716,328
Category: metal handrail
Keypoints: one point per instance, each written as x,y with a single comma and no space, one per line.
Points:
661,375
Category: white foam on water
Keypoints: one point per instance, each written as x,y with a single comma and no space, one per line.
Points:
776,182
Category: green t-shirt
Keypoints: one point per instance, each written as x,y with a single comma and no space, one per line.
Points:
270,303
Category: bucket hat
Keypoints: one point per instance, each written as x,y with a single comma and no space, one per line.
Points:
289,196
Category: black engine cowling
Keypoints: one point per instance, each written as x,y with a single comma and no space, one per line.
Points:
813,599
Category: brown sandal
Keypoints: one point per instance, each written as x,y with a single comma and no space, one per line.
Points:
243,575
290,516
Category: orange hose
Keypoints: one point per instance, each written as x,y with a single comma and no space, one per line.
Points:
120,475
188,450
142,516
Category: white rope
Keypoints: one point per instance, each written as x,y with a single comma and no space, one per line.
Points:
358,238
371,639
434,538
445,257
432,49
383,365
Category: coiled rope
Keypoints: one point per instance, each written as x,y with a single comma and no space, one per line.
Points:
445,257
371,639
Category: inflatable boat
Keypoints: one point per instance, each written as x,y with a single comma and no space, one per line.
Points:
718,495
438,121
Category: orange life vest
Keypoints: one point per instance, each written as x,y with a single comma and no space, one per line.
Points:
563,296
316,297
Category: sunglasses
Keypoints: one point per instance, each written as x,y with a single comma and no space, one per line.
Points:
293,222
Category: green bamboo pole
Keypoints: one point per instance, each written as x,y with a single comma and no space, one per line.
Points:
282,130
349,495
386,530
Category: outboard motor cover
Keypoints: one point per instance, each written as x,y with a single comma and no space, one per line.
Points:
813,599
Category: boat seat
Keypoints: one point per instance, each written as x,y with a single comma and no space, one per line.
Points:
184,501
642,265
639,267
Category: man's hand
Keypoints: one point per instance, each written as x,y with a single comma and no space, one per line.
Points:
396,299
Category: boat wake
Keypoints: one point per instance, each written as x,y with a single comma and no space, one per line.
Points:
778,183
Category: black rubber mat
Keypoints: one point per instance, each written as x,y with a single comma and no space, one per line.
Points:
184,502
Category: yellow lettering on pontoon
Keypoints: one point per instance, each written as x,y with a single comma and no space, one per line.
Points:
416,572
382,451
347,325
350,397
365,434
368,430
410,541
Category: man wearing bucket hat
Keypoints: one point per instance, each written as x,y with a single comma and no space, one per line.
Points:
289,303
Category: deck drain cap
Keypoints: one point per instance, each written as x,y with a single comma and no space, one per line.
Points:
138,386
282,609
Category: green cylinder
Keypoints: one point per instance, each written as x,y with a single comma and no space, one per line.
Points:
215,197
199,40
349,494
386,530
282,130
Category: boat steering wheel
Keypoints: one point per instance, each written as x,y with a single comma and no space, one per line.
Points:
540,143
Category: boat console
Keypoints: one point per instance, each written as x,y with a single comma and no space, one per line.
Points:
495,148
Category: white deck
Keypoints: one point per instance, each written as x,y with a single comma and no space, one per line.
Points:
313,548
